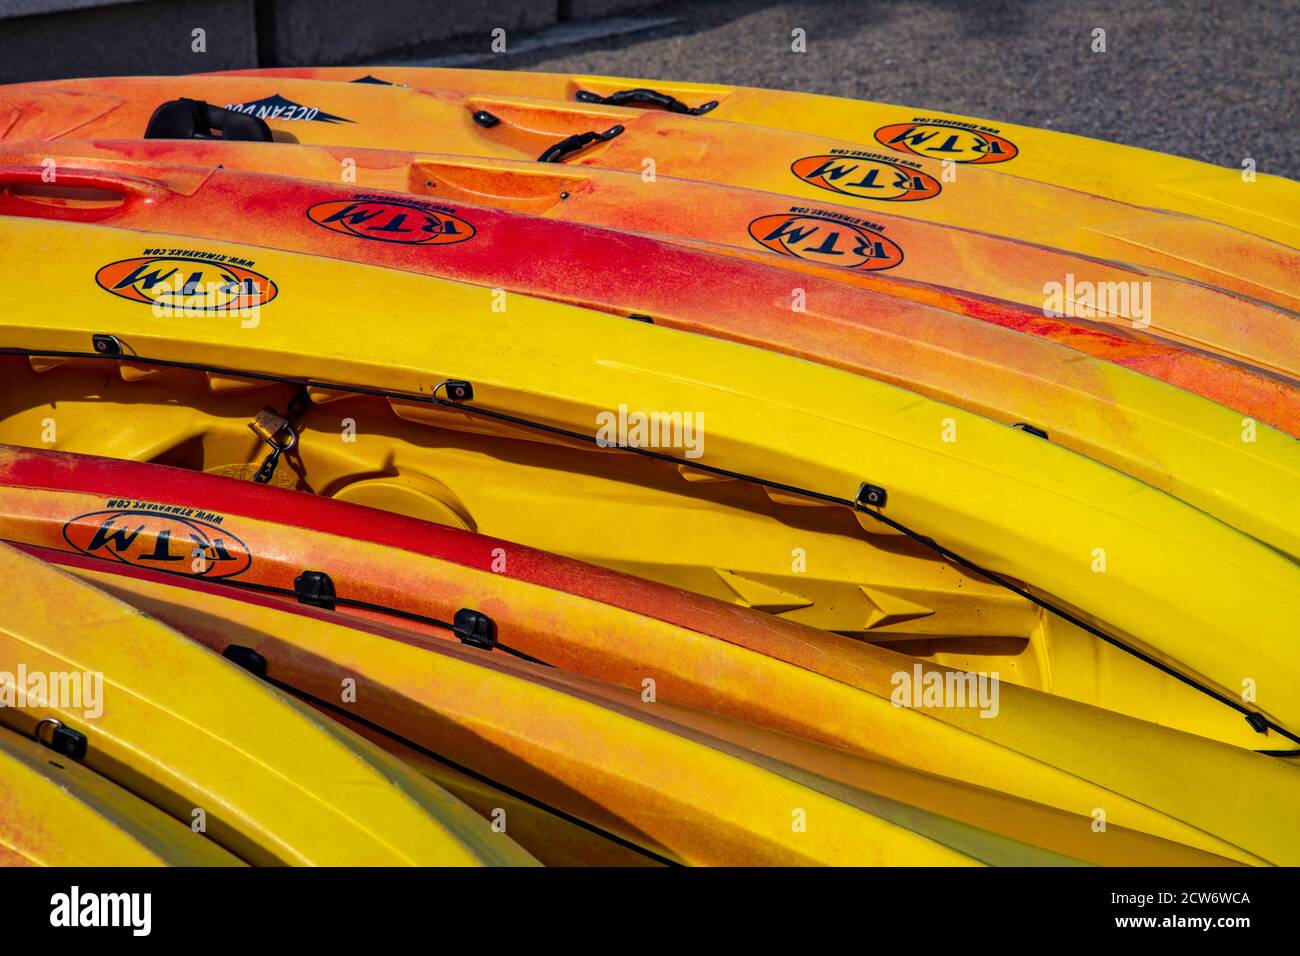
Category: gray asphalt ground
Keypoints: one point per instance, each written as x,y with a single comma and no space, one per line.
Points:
1216,81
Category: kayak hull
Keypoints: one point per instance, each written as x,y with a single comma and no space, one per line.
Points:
172,725
1260,203
1157,435
59,813
875,180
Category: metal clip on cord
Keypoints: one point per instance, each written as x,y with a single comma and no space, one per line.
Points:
571,144
644,97
267,471
267,425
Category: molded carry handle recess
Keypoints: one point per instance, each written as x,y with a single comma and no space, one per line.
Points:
561,150
195,119
644,97
129,190
535,188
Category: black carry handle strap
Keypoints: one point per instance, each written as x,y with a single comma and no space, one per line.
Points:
571,144
644,97
195,119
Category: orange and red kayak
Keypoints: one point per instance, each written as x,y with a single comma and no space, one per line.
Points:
145,184
654,144
386,567
1132,422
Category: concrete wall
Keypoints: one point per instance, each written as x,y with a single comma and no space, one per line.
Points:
140,36
591,9
317,31
50,39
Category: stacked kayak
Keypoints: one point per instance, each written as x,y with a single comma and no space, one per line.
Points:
584,471
1268,205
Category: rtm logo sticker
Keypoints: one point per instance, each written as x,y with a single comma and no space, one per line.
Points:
827,241
867,176
275,108
961,143
186,284
163,542
386,220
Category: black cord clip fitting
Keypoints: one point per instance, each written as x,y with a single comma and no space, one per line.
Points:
106,345
247,658
475,629
1258,722
458,390
871,496
61,739
315,588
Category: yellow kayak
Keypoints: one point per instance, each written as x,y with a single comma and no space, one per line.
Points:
529,726
56,812
218,751
690,799
659,144
1260,203
1134,564
721,539
554,839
